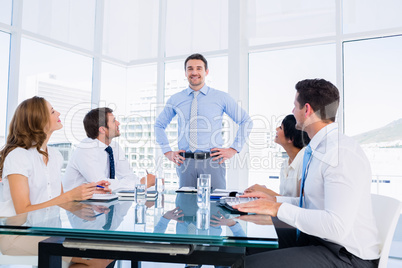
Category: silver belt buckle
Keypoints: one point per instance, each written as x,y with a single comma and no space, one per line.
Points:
198,156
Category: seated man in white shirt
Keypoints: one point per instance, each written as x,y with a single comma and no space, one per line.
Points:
99,158
333,216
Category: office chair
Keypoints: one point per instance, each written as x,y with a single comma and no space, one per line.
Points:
386,212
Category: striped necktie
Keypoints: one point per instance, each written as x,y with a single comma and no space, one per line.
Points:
193,122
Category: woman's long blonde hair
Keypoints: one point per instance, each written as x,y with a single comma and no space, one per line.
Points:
27,128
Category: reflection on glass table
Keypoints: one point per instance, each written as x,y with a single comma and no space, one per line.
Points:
172,217
169,229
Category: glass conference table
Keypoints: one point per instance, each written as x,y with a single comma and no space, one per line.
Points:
170,228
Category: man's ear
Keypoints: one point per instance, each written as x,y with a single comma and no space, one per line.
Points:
312,115
102,130
309,110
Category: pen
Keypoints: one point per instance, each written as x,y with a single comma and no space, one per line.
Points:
147,171
97,215
99,186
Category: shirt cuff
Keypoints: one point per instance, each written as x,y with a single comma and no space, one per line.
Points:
237,148
288,199
166,149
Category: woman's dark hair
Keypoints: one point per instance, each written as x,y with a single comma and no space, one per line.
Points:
298,137
95,119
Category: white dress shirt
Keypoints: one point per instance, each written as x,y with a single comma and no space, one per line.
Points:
44,180
336,196
90,163
291,175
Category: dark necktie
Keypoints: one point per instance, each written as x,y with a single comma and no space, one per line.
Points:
111,161
109,218
306,163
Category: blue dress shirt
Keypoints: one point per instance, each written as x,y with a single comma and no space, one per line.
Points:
212,104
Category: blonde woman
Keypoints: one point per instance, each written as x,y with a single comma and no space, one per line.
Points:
31,171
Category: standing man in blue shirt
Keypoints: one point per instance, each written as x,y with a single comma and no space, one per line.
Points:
200,111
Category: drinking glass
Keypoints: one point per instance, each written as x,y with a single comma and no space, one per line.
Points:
203,190
140,194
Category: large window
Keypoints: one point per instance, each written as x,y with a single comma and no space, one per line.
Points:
68,21
125,23
280,21
4,56
131,93
65,80
5,11
273,76
373,116
371,15
196,26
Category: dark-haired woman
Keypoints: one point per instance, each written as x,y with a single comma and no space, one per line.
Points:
293,141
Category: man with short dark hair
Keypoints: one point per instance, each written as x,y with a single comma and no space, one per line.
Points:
333,216
98,157
200,111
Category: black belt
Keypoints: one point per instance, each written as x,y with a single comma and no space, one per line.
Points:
196,156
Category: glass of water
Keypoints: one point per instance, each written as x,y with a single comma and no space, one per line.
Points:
140,194
159,182
203,190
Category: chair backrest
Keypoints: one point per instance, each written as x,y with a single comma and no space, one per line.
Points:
386,212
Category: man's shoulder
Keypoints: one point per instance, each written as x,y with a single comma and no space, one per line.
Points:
87,143
85,149
218,94
349,142
339,147
179,95
212,90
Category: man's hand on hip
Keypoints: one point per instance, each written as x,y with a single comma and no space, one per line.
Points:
175,157
224,153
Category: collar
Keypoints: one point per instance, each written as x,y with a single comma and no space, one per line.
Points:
317,139
204,90
102,144
298,158
89,143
